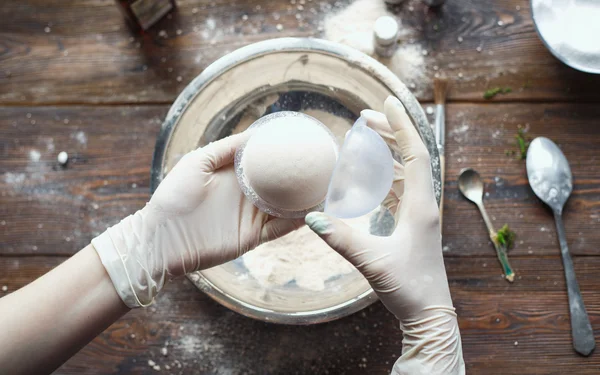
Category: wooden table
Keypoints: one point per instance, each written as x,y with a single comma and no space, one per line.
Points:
72,77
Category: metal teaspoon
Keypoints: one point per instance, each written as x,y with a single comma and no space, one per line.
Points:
550,178
471,186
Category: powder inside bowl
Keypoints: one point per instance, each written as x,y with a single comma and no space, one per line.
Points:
288,162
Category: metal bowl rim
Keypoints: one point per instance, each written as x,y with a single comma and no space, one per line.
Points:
341,310
252,51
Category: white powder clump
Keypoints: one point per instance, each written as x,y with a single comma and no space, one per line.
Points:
289,161
62,157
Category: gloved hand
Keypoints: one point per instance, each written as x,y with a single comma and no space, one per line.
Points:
197,218
406,270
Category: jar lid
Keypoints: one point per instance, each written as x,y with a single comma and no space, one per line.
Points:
386,30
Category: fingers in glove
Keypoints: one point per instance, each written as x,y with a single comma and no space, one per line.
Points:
398,182
378,122
417,169
222,152
347,241
392,200
277,227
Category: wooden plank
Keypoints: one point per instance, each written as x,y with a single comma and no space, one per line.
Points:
478,136
49,210
206,338
82,52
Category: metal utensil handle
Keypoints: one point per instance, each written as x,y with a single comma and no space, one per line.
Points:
581,329
486,220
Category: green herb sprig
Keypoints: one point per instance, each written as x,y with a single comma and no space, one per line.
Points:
489,94
522,143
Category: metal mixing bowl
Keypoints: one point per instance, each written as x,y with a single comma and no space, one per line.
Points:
309,75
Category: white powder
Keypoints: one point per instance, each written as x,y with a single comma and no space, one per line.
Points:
408,63
353,26
337,125
571,27
14,178
300,256
80,137
289,161
62,157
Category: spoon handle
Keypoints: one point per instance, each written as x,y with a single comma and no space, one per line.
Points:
486,219
581,329
500,250
509,274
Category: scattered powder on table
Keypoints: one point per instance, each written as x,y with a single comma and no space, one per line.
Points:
353,26
408,64
14,178
80,137
34,155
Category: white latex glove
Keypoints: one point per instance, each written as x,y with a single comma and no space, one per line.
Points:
406,270
197,218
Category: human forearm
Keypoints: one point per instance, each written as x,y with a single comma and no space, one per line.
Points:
47,321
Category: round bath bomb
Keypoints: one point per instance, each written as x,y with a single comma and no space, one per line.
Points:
288,161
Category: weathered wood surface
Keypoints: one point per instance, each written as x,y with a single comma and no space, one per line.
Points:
73,78
47,209
204,337
82,52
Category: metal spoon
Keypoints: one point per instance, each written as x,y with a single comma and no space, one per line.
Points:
471,186
550,178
